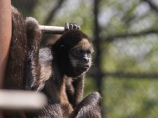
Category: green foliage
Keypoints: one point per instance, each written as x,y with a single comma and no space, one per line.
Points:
90,86
132,55
130,98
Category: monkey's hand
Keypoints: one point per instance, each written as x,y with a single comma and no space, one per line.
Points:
71,26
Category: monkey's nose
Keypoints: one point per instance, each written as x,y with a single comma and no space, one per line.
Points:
86,59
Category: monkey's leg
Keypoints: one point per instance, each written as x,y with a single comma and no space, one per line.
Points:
90,107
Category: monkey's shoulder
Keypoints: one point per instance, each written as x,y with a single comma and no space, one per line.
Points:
45,55
45,61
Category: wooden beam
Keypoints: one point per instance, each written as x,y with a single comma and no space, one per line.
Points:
52,29
21,100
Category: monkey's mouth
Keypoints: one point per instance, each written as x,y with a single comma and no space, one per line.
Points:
84,67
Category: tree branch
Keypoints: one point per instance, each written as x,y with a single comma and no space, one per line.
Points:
54,9
127,75
152,5
133,75
123,36
26,7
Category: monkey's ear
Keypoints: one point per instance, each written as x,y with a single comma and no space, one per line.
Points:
62,47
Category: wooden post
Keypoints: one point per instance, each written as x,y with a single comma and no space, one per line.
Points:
5,35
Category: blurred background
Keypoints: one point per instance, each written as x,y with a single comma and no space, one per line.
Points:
125,37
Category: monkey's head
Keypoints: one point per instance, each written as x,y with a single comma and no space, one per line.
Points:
73,51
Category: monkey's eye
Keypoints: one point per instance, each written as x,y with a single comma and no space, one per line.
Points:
79,51
88,52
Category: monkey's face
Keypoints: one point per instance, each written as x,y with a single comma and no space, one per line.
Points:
80,56
73,51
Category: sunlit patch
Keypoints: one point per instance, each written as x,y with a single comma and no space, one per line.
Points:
84,44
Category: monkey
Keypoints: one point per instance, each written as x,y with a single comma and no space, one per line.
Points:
32,68
59,71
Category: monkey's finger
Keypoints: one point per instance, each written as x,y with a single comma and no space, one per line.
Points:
66,26
71,26
78,28
75,27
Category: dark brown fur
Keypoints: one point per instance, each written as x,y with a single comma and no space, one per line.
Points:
17,53
64,86
33,37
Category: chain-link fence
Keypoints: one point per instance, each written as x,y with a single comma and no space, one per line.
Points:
130,83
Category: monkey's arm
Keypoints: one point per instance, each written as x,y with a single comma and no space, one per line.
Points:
78,84
32,68
74,90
